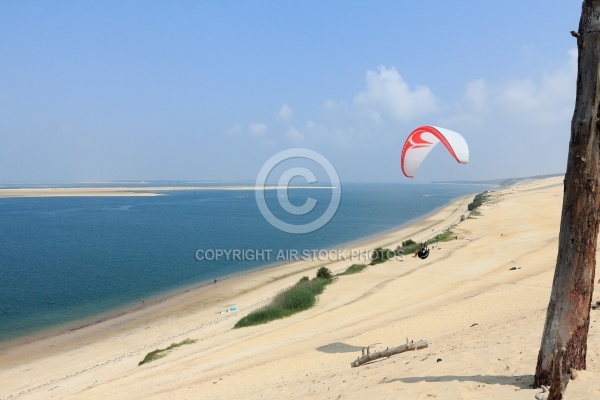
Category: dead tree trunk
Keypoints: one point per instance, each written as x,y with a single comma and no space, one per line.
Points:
568,315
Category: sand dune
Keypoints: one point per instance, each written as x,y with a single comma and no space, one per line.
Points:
483,322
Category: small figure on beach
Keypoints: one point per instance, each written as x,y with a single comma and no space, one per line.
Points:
215,282
423,253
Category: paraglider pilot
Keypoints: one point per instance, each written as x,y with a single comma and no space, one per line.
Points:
423,253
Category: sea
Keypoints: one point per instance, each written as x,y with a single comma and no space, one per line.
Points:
67,259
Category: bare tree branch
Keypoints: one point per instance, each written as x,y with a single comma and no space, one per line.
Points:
421,344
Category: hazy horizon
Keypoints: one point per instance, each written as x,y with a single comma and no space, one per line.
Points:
246,182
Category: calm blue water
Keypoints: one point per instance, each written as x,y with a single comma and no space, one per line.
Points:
64,259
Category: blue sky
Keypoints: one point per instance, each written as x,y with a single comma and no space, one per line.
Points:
209,90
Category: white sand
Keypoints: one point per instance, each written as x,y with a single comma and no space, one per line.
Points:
481,319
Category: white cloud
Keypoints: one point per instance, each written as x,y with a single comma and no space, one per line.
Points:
388,96
258,129
285,113
519,96
476,95
331,105
547,102
294,135
524,121
472,109
236,129
519,103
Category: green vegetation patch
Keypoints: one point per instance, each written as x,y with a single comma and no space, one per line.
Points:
160,353
380,255
442,237
324,273
300,297
353,269
408,242
479,199
410,246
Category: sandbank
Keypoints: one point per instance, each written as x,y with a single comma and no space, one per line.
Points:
121,191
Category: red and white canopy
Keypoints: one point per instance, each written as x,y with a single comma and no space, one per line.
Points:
420,142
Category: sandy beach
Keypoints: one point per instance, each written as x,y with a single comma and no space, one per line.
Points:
483,322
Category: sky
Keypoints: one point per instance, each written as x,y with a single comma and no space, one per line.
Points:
210,90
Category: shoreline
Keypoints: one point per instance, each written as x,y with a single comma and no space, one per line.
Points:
417,229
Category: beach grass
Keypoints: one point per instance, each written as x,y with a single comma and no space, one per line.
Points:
160,353
353,269
478,200
381,255
413,246
300,297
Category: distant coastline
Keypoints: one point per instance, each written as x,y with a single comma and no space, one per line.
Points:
503,182
124,191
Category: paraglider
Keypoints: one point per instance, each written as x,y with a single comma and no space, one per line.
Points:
423,252
420,142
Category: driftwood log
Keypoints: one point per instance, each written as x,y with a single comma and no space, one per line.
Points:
367,356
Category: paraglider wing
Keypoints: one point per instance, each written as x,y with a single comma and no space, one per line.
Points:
420,142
